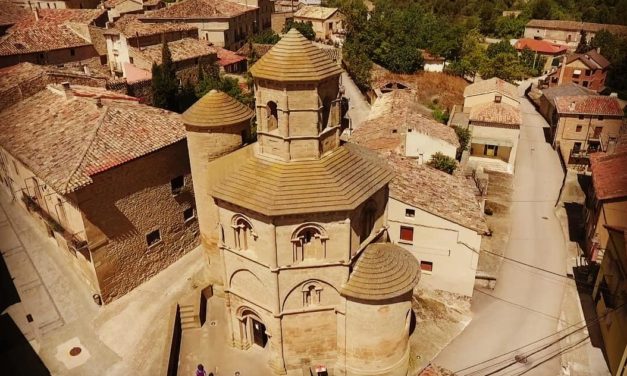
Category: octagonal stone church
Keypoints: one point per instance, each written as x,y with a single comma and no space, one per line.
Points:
302,259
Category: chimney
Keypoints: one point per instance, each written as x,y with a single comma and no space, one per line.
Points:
86,70
571,107
36,14
67,90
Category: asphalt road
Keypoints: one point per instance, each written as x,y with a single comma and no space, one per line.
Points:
525,305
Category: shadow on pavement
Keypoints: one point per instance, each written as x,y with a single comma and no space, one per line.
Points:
548,135
8,293
574,212
16,354
585,277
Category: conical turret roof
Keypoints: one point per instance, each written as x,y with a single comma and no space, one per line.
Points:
216,109
383,271
295,59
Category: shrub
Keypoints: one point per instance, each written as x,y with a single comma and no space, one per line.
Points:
443,163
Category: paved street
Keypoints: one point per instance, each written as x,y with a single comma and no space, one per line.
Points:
123,338
358,105
525,305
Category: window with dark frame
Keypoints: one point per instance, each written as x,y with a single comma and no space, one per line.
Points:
189,214
578,128
177,185
407,233
581,117
426,266
153,238
72,52
410,213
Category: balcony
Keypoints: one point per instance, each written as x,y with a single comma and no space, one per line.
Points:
76,244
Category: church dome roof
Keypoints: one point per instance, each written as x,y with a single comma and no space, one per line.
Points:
217,109
383,271
295,59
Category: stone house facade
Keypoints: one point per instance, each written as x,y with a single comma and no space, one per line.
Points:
488,91
588,70
226,24
586,124
121,206
325,21
606,202
296,264
567,33
609,295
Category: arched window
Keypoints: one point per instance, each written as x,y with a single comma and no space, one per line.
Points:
309,243
244,234
273,116
311,294
369,218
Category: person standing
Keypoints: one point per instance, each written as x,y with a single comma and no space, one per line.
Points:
200,370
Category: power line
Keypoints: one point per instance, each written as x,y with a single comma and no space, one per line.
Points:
587,324
555,354
526,264
519,305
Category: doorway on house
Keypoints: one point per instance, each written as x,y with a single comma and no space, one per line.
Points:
260,338
490,150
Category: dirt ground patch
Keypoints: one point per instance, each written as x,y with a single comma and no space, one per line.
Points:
498,202
432,88
440,317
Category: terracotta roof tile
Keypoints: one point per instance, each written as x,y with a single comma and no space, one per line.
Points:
592,59
40,38
200,9
392,115
61,16
65,141
382,271
569,89
294,58
588,105
228,57
339,181
315,12
16,74
451,197
259,49
576,26
609,175
182,49
497,113
11,14
540,46
492,85
131,26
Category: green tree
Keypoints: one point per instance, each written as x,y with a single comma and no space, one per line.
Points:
504,66
186,97
510,27
358,63
583,46
305,28
502,47
443,163
463,135
164,81
541,9
266,37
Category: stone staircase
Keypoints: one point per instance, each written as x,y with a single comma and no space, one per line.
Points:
193,308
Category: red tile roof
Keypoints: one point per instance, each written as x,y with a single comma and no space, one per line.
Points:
227,57
40,38
588,105
67,140
609,175
496,113
59,17
131,26
200,9
540,46
11,13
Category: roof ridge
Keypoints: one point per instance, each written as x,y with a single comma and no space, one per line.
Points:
87,149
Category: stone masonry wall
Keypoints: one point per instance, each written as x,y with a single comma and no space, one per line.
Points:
131,200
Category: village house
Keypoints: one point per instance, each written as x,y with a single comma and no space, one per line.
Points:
609,294
396,124
327,22
489,91
546,102
57,4
133,46
117,8
543,50
298,269
443,234
433,63
226,24
54,37
106,177
585,124
588,70
231,62
495,131
567,33
606,202
287,6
